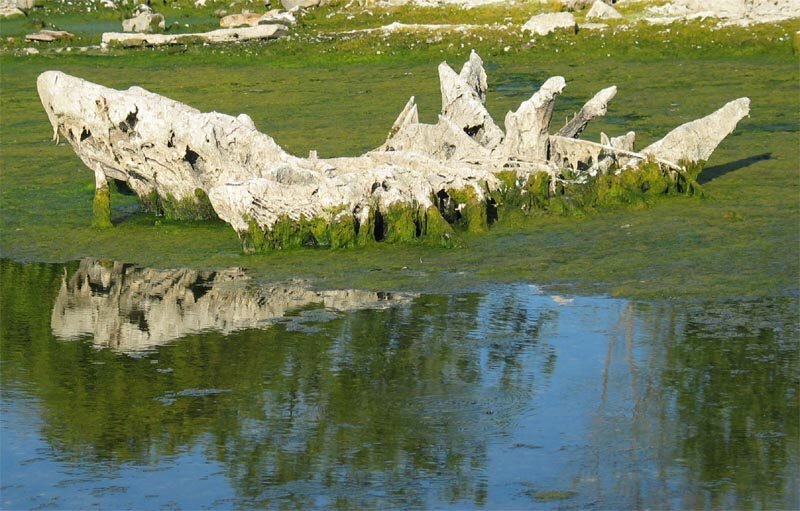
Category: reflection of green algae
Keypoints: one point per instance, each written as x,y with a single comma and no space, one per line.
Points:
546,496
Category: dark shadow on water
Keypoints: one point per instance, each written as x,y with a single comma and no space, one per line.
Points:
720,170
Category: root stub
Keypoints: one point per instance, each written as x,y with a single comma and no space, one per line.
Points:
428,183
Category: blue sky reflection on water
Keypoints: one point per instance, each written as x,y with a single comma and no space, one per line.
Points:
503,398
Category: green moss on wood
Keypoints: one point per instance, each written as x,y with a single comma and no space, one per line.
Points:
101,207
641,186
333,230
401,222
436,230
253,238
194,207
472,210
636,188
366,230
467,210
342,232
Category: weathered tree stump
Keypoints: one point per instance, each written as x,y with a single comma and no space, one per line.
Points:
426,182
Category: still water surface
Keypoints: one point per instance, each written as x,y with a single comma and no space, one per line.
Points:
132,388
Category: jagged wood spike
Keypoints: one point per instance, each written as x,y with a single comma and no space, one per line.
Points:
527,128
475,76
409,115
595,107
462,106
696,140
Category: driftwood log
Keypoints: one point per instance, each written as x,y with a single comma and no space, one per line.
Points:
427,181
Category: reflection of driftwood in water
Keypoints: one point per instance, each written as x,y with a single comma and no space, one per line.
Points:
133,309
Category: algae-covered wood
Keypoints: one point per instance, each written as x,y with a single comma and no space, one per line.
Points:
427,181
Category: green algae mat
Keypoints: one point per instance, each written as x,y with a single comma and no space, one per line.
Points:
739,240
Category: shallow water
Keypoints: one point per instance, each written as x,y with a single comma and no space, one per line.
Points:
121,389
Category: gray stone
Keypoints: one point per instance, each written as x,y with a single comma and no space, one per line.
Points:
222,35
543,24
601,10
145,22
303,4
47,36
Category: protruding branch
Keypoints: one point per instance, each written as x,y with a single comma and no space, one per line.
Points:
462,105
408,116
595,107
527,128
696,140
473,73
615,150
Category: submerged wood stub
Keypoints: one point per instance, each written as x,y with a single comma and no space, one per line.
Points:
427,182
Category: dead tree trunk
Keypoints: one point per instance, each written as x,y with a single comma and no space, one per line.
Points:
427,181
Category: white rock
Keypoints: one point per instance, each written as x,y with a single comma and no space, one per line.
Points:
593,26
10,11
254,19
601,10
573,5
223,35
27,4
396,26
731,12
46,36
145,22
543,24
303,4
